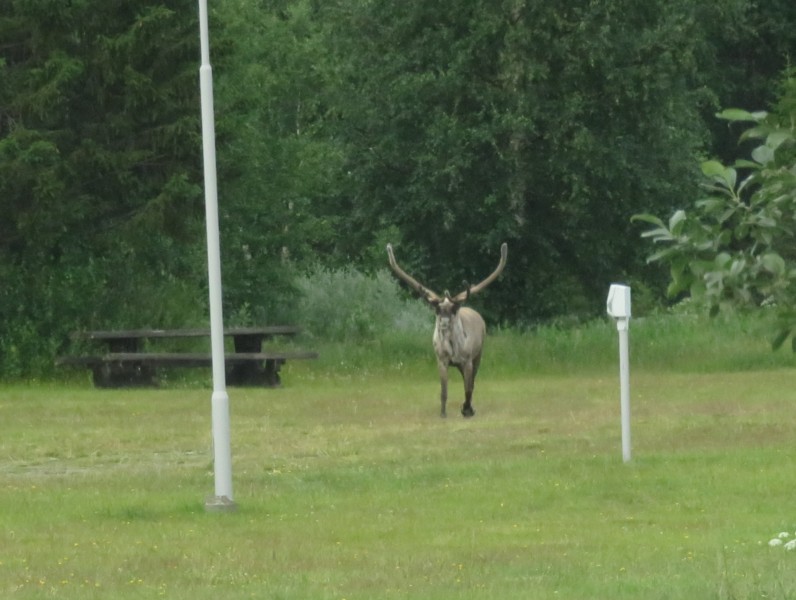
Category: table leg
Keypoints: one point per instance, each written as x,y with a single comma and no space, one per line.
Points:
115,375
252,373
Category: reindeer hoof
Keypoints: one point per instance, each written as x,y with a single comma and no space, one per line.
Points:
468,411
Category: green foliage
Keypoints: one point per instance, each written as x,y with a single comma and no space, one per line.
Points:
99,177
736,244
276,171
540,124
344,125
752,44
347,305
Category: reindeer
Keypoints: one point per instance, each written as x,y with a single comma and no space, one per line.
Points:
459,331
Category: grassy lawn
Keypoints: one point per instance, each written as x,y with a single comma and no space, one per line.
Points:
350,486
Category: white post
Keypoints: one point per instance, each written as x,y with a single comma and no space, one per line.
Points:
618,306
624,385
223,499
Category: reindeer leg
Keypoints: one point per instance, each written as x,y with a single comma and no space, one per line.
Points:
443,383
469,372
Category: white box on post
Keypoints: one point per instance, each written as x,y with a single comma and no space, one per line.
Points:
619,301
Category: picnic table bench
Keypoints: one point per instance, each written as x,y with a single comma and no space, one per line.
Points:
127,360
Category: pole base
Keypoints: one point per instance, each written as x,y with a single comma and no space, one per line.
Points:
220,504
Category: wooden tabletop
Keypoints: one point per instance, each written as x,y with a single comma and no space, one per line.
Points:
127,334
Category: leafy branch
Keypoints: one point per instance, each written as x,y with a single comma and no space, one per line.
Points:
737,244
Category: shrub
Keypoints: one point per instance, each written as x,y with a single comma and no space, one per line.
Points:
347,305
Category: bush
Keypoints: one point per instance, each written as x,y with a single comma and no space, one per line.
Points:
735,246
347,305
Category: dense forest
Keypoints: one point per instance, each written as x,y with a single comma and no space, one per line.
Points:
443,128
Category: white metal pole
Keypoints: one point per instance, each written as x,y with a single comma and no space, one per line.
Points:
622,326
223,499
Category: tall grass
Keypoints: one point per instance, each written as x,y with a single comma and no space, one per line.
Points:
365,323
666,342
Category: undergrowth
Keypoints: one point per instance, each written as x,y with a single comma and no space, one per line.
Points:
364,323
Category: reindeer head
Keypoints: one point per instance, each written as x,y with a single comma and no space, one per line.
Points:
446,306
445,309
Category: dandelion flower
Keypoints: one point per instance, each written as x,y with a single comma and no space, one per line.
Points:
775,542
791,545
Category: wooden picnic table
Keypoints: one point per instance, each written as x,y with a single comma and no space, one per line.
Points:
128,360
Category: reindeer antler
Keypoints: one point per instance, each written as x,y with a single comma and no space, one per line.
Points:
432,297
462,296
411,281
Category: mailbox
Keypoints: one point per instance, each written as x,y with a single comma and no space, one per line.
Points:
618,305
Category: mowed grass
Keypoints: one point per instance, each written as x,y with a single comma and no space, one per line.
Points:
350,486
